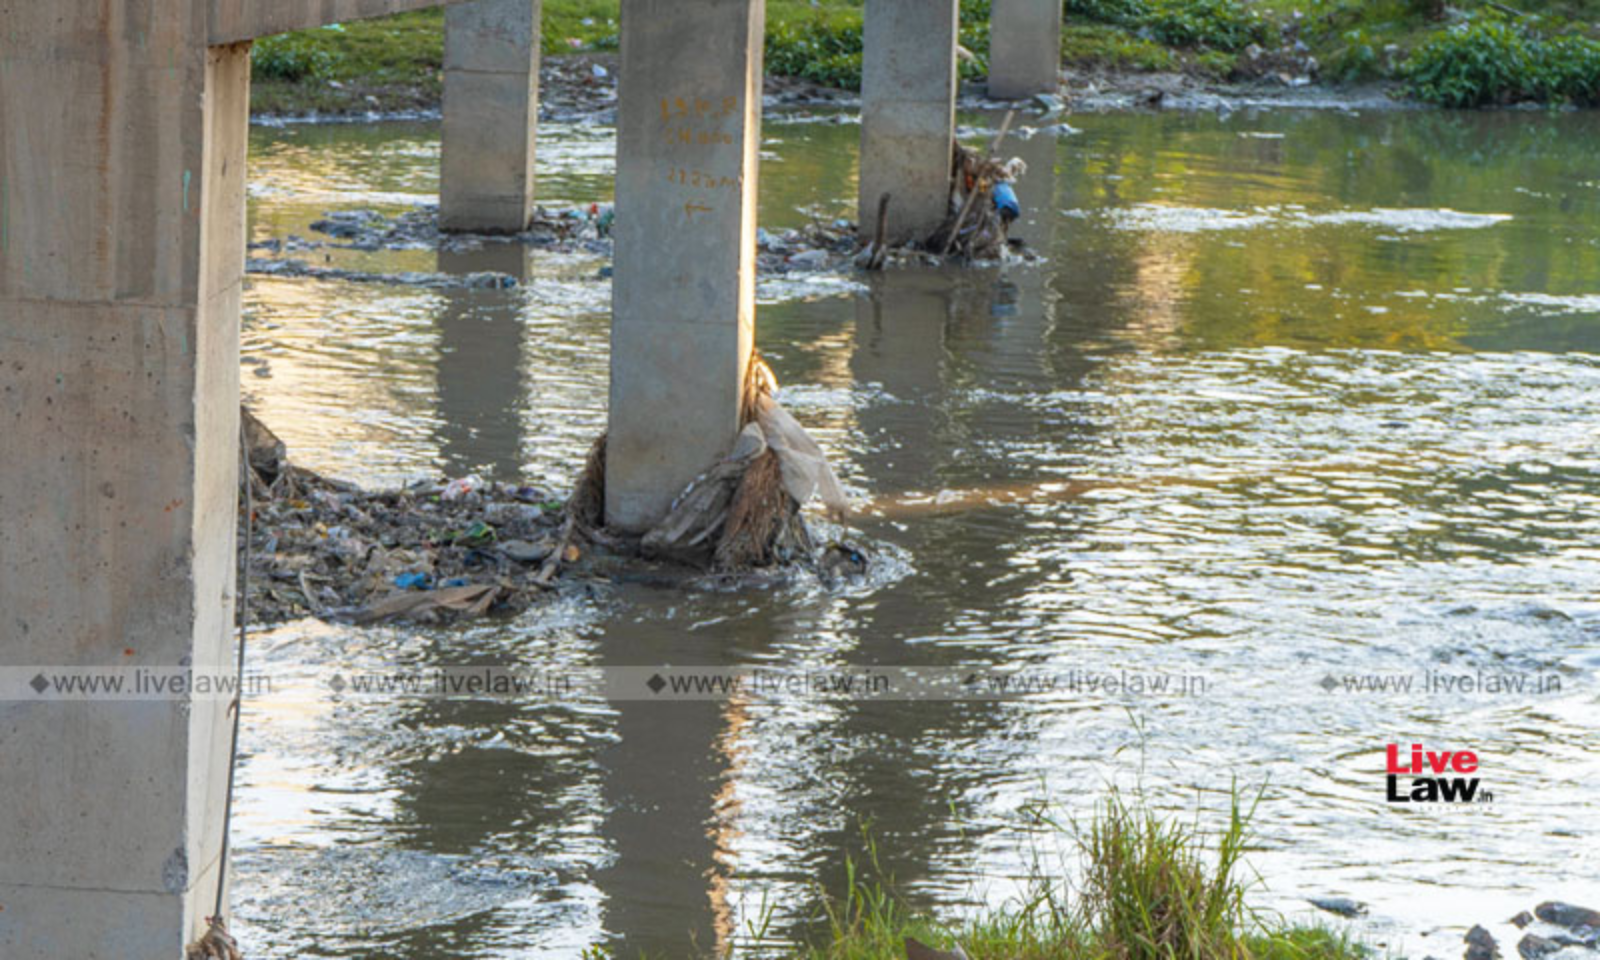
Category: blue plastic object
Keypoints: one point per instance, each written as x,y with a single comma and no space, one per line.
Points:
412,581
1005,201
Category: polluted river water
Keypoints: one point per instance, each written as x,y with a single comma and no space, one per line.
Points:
1299,408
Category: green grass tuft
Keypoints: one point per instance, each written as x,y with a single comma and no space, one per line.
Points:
1152,889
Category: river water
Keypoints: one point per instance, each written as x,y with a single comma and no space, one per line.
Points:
1299,405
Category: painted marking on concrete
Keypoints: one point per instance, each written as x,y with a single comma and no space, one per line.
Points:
702,178
691,208
186,178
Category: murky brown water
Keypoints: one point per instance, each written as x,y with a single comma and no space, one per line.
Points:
1297,395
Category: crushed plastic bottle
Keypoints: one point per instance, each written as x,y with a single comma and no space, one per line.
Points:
460,487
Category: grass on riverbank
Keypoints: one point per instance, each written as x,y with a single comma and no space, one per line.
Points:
1152,889
1482,52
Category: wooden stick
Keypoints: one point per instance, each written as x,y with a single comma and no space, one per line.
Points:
880,242
966,205
999,138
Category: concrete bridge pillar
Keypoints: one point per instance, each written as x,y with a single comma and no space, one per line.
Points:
1024,48
683,297
908,114
491,115
122,170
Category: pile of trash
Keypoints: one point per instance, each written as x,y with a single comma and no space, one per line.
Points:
426,552
820,246
583,227
578,87
740,520
983,204
448,549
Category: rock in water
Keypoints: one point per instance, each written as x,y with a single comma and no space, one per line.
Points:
1480,945
1521,920
1340,906
1566,915
1532,947
1579,937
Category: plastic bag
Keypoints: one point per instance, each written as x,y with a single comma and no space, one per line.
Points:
806,471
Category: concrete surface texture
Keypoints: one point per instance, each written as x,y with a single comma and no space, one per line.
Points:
908,90
683,297
122,168
1024,48
235,20
491,112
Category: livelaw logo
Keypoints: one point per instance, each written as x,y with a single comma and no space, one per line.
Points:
1433,776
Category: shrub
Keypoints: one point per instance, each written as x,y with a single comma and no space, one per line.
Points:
1568,69
1119,12
1471,64
1356,59
291,57
1489,60
975,38
824,49
1216,24
1105,45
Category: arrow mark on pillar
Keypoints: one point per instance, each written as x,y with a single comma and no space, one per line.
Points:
691,208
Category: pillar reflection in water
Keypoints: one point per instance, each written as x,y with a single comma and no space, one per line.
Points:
1009,342
660,777
482,390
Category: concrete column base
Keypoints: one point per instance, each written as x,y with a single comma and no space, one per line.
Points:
683,297
122,169
908,115
491,115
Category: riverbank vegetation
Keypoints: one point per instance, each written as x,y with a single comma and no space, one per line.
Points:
1477,53
1150,889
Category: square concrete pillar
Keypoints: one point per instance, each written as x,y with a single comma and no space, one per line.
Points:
491,115
908,114
1024,48
122,170
683,294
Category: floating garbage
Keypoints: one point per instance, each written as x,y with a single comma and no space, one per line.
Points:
743,515
215,944
434,550
456,489
1005,201
983,205
441,550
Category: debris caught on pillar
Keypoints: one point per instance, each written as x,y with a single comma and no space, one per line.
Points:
215,944
983,202
743,514
451,549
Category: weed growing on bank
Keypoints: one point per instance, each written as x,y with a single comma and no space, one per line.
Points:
1152,888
